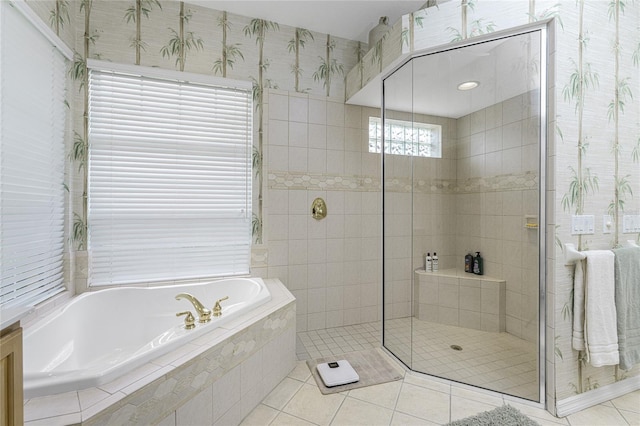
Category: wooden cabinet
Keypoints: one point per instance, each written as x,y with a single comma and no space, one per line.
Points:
11,396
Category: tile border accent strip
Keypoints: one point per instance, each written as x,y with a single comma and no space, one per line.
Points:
306,181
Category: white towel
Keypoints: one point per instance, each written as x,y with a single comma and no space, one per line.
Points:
600,323
578,307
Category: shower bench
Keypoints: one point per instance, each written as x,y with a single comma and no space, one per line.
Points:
454,297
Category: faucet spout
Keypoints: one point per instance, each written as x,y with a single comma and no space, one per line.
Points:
204,314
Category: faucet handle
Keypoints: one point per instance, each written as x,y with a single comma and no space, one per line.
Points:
217,309
189,320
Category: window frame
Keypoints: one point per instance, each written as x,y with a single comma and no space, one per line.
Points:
241,261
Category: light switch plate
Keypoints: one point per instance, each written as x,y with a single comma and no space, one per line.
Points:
630,223
607,224
582,224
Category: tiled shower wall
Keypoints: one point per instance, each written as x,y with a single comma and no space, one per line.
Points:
419,203
497,156
475,198
318,147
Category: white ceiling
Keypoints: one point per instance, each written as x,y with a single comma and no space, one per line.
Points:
347,19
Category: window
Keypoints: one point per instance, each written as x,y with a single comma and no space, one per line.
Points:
405,138
169,175
32,124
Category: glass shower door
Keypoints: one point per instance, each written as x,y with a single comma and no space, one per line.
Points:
398,265
462,169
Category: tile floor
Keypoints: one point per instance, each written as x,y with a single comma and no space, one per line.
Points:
495,361
415,400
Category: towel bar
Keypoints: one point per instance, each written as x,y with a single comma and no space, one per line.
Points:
572,255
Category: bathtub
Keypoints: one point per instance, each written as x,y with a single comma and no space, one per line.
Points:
100,336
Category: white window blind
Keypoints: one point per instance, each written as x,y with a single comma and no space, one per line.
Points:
169,178
32,122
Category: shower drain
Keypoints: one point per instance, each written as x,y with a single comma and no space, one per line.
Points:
456,347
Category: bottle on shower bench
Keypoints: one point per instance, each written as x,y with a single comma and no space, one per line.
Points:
468,263
477,264
434,262
428,263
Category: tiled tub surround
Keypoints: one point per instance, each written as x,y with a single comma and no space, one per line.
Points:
126,328
216,379
454,297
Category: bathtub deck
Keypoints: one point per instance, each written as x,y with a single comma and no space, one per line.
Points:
231,356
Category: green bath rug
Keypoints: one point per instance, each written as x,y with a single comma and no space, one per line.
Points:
501,416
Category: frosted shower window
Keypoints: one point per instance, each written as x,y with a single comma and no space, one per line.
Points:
405,138
169,175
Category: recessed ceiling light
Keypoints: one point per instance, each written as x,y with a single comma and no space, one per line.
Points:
468,85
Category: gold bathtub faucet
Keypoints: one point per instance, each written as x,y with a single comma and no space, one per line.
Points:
217,309
204,314
189,320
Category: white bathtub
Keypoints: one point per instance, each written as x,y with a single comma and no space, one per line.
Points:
102,335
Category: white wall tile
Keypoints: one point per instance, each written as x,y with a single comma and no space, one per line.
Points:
317,111
278,253
335,249
352,163
278,227
198,410
335,225
297,277
317,161
298,158
317,250
278,201
317,136
335,113
226,392
316,228
298,134
317,275
335,138
297,252
335,298
297,227
335,274
298,109
512,135
278,158
298,202
317,301
335,162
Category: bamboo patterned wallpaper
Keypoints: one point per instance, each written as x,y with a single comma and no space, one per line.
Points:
594,112
185,37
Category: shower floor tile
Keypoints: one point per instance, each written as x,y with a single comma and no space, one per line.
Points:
338,340
496,361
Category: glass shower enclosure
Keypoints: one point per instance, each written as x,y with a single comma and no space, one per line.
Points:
463,141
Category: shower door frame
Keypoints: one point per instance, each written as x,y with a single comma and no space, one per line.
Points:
545,28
